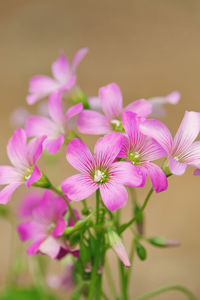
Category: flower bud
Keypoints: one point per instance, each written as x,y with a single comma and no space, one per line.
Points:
141,251
117,245
43,182
161,241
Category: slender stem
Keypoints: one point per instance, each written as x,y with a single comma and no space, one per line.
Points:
131,260
110,280
167,289
128,224
104,296
53,188
123,282
97,206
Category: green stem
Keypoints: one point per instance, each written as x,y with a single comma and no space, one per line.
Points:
128,224
167,289
53,188
131,260
123,282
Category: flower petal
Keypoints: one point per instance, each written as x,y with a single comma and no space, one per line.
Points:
34,247
187,132
79,156
107,148
114,195
61,69
35,176
34,150
53,145
173,97
39,126
152,151
140,107
16,149
94,103
7,192
74,110
126,173
78,187
192,155
158,131
111,100
78,57
157,176
176,167
60,227
50,246
55,108
92,122
9,175
30,230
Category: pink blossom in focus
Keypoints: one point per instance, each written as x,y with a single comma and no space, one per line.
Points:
100,171
23,156
158,109
110,96
182,150
64,78
46,226
54,127
140,152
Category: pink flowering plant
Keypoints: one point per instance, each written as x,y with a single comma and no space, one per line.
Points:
131,146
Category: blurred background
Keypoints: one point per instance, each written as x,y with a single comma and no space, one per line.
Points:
149,48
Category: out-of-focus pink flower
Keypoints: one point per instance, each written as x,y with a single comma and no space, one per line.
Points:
23,157
64,78
46,226
63,281
182,150
100,171
140,152
54,127
93,122
158,109
27,205
19,116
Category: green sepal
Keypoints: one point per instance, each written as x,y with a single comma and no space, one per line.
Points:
158,241
43,182
141,251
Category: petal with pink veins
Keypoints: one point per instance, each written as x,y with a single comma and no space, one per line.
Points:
53,145
111,100
157,176
34,150
177,167
9,175
92,122
140,107
78,187
114,195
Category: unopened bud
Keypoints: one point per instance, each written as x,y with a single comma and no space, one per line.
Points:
117,245
161,241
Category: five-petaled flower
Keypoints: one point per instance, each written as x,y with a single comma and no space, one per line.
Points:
46,225
182,150
24,157
100,171
140,152
54,127
64,79
110,96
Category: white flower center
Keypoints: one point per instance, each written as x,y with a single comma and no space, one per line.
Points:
116,122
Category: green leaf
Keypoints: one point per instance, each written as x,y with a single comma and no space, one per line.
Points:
141,251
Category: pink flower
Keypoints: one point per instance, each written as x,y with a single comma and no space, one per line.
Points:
140,152
27,205
64,78
54,127
100,171
24,157
46,226
158,103
182,150
110,96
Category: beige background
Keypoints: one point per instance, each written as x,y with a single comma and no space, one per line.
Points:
148,47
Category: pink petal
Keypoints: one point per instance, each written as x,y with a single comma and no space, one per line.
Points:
141,107
114,195
94,103
158,131
78,57
55,108
28,203
197,172
152,151
192,155
50,246
126,173
53,145
187,132
92,122
30,230
107,148
35,176
157,176
41,86
34,247
7,192
79,156
34,150
10,175
16,149
176,167
78,187
111,100
39,126
173,97
60,227
61,69
69,85
74,110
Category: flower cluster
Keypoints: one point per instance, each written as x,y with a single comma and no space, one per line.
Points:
126,154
